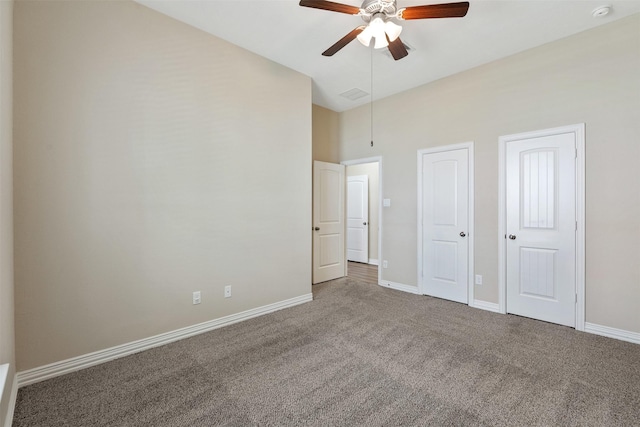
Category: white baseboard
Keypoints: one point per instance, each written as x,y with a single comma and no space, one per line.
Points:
606,331
399,287
374,261
76,363
485,305
12,402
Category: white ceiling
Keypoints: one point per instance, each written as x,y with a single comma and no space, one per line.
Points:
296,36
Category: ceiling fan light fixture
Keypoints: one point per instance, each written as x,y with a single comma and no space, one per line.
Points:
365,36
392,29
378,27
381,42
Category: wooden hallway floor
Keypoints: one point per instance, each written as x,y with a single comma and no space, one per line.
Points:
365,272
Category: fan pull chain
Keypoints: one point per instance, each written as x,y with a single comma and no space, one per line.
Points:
371,103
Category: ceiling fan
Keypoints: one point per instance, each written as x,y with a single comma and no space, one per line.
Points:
379,16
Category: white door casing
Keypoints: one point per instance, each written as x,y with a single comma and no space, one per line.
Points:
444,222
542,225
358,218
328,221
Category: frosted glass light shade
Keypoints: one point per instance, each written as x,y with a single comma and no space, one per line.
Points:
377,30
380,30
392,29
365,36
381,42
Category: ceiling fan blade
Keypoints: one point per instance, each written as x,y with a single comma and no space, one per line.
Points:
397,49
444,10
331,6
343,42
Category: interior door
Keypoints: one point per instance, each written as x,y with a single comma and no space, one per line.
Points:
328,221
541,228
358,218
445,224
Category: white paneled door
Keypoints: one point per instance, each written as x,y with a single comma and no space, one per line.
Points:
445,224
358,218
328,221
541,227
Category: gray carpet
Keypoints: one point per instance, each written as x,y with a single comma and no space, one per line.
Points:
358,354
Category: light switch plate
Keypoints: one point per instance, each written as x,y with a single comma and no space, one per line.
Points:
386,203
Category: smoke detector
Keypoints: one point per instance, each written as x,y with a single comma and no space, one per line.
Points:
601,12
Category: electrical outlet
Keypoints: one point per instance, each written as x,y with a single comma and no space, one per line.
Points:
227,291
478,279
196,297
385,264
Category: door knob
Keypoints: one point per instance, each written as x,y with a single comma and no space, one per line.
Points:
462,234
512,236
317,228
364,223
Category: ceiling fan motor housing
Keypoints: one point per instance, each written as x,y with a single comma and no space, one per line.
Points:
372,7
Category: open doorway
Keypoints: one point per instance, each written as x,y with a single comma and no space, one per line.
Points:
364,218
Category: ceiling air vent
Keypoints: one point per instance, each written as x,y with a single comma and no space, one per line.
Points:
354,94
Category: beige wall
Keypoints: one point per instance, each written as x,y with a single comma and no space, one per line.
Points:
6,203
151,160
370,170
593,78
325,135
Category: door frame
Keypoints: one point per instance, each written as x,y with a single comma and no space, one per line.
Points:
376,159
579,131
471,207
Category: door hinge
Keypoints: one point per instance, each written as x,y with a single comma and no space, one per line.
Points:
576,225
576,298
